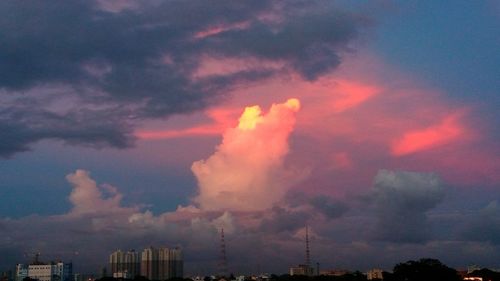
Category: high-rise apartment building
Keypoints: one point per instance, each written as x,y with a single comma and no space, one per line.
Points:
170,263
149,263
125,263
152,263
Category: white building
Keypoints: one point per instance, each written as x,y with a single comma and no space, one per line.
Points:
51,272
45,272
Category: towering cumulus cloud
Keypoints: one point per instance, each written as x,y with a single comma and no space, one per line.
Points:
247,171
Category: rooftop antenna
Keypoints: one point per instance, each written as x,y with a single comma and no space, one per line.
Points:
223,260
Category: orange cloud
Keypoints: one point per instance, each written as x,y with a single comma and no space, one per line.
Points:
445,132
246,172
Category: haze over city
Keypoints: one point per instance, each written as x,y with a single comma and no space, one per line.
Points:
126,124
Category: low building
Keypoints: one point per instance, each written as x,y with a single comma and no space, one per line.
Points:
54,271
302,269
122,274
375,274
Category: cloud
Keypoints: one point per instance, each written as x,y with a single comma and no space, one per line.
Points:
281,219
87,197
484,225
247,170
401,201
124,62
446,131
328,206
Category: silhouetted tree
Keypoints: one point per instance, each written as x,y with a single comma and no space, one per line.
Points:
424,270
486,274
107,278
140,278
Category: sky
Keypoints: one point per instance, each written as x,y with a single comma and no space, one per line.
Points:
129,124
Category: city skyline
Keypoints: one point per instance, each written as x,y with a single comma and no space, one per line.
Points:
125,124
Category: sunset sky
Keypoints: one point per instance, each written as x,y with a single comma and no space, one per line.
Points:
125,124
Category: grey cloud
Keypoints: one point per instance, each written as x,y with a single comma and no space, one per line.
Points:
328,206
93,128
116,59
401,202
484,225
281,219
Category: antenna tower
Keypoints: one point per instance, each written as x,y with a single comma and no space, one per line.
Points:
308,257
223,260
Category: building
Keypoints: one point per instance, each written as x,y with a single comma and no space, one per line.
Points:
170,263
375,274
152,263
122,274
21,271
54,271
125,263
162,263
302,269
149,263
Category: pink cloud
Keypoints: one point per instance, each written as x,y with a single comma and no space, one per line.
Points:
214,30
353,94
414,141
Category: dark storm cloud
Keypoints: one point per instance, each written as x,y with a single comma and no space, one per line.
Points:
484,225
328,206
281,219
142,59
92,128
401,201
323,204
